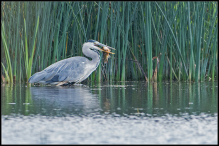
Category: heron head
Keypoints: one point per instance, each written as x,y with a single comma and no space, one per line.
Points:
101,47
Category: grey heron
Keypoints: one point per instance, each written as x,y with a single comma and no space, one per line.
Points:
73,69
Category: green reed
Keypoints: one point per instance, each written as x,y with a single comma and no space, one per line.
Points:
29,61
183,35
8,72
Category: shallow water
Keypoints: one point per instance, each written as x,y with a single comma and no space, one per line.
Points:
108,113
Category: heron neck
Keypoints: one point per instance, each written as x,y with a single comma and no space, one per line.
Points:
93,54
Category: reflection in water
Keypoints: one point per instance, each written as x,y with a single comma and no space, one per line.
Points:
123,98
56,100
157,99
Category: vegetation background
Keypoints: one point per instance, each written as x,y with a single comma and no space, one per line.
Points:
166,40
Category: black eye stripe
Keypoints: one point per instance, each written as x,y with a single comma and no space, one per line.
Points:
95,51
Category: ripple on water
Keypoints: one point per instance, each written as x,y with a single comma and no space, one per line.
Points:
113,129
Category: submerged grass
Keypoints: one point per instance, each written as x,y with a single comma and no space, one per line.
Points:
183,35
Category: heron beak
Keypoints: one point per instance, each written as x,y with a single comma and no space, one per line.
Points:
108,52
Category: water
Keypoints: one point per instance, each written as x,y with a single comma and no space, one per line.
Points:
111,113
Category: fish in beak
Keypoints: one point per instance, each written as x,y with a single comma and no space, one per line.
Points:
104,48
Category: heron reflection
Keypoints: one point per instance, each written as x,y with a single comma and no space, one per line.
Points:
71,100
74,69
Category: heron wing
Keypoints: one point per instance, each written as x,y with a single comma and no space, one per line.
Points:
71,69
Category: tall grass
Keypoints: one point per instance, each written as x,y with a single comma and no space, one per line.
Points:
183,35
8,71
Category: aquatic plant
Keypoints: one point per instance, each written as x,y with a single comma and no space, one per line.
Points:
183,35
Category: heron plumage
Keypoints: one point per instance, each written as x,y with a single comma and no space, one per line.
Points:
73,69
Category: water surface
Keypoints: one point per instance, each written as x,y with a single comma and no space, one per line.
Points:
116,112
